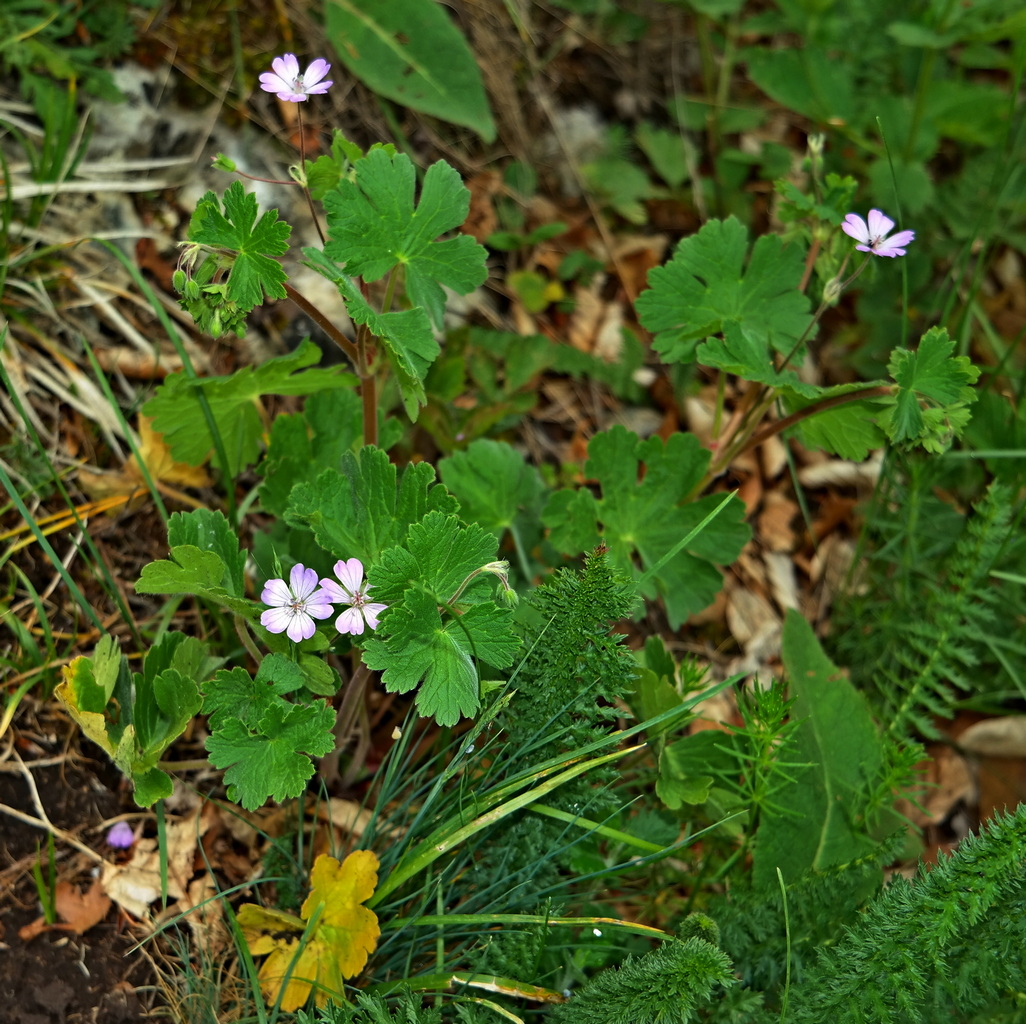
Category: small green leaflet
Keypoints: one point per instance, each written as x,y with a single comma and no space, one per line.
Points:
233,401
707,286
269,758
934,393
205,561
375,227
419,640
253,271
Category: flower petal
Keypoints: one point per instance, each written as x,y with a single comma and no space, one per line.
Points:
351,574
303,581
276,592
879,224
301,628
371,612
350,621
315,72
287,66
856,227
276,620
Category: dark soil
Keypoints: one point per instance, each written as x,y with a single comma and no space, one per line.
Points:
59,977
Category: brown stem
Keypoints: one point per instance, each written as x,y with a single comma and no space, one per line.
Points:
778,426
324,324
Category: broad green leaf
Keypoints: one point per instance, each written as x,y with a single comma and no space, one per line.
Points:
437,557
707,286
808,80
253,271
495,486
640,518
849,430
233,401
358,511
271,761
934,393
745,354
822,826
411,52
374,227
412,646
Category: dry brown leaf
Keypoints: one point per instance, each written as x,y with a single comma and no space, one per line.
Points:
996,737
78,910
773,523
161,466
136,885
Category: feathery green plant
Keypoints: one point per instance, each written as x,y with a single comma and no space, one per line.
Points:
934,611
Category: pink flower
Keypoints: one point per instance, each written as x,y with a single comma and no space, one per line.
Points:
295,605
289,84
873,235
353,591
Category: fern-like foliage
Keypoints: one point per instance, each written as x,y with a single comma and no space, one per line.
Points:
668,985
573,676
935,613
952,940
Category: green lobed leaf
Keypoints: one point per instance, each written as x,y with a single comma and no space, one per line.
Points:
411,52
412,646
745,354
233,401
205,561
253,272
640,518
374,227
358,511
706,286
495,486
933,395
271,759
303,444
438,555
839,741
234,693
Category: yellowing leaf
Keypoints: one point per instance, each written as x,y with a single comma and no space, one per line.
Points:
344,933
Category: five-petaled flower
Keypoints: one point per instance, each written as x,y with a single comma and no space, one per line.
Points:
353,591
873,235
291,86
295,605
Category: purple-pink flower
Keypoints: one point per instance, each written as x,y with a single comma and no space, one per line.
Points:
121,836
295,605
291,86
353,591
873,235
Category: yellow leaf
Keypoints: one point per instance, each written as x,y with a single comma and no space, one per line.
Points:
343,937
